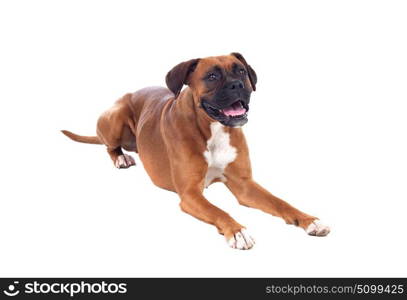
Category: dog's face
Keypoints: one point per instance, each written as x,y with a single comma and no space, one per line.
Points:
222,86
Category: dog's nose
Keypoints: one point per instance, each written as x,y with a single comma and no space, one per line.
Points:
234,85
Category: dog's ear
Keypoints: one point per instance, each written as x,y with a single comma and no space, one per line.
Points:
252,73
178,76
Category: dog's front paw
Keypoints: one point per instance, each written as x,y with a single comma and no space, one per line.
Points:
124,161
241,240
316,228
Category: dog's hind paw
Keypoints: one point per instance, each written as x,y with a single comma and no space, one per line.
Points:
241,240
316,228
124,161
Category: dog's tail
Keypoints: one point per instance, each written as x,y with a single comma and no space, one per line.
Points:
81,138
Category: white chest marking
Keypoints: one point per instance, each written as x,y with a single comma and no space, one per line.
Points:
219,153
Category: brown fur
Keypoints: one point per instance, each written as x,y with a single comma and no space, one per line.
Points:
170,134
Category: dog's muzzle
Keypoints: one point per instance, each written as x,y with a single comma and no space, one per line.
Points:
232,115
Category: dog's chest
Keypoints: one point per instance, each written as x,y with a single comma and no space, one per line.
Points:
218,154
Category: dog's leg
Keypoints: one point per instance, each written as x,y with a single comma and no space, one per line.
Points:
189,180
251,194
112,129
195,204
120,160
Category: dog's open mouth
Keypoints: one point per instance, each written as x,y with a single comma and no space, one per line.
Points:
236,110
233,115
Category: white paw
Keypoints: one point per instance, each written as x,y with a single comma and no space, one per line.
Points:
241,240
316,228
124,161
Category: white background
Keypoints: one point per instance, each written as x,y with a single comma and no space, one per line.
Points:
327,132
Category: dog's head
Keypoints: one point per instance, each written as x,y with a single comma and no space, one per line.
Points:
221,85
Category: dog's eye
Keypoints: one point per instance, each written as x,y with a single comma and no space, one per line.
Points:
212,77
242,71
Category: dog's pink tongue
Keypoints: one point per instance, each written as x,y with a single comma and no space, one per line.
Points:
236,109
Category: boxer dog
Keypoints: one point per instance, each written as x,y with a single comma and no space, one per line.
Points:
189,138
